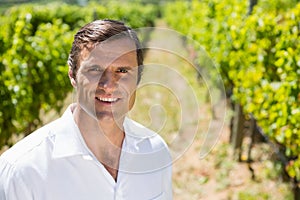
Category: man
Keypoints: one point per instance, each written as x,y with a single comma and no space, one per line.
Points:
93,151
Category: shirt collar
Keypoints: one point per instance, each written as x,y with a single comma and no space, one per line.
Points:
136,130
68,140
67,136
136,136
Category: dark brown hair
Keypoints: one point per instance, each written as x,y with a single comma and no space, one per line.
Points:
98,31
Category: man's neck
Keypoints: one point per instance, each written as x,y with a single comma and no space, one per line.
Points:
99,134
98,129
104,138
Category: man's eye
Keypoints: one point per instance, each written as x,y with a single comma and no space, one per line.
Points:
122,70
96,69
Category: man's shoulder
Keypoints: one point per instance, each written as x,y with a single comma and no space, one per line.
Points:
29,144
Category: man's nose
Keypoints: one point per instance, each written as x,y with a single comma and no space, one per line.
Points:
108,80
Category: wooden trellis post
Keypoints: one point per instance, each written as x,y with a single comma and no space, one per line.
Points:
237,132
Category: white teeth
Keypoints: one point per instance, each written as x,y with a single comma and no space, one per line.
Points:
108,99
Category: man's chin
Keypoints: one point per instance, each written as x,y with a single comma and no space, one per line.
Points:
109,116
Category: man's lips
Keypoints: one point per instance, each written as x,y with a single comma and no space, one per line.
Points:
107,99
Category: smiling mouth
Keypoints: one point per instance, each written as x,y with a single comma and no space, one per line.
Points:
107,100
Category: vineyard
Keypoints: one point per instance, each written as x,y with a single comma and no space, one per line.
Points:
258,56
255,50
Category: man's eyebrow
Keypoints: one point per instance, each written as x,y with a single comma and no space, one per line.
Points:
124,67
91,66
94,65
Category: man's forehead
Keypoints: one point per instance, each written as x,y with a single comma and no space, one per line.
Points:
118,45
111,49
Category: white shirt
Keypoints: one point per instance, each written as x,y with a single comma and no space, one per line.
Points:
54,163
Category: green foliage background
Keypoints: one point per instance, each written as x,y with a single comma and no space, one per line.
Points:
35,41
258,56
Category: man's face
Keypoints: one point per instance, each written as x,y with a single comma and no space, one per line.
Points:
107,79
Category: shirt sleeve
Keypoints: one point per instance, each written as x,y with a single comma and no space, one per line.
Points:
12,186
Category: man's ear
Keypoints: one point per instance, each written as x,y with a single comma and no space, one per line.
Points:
72,78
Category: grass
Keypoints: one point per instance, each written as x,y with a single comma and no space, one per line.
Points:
235,176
